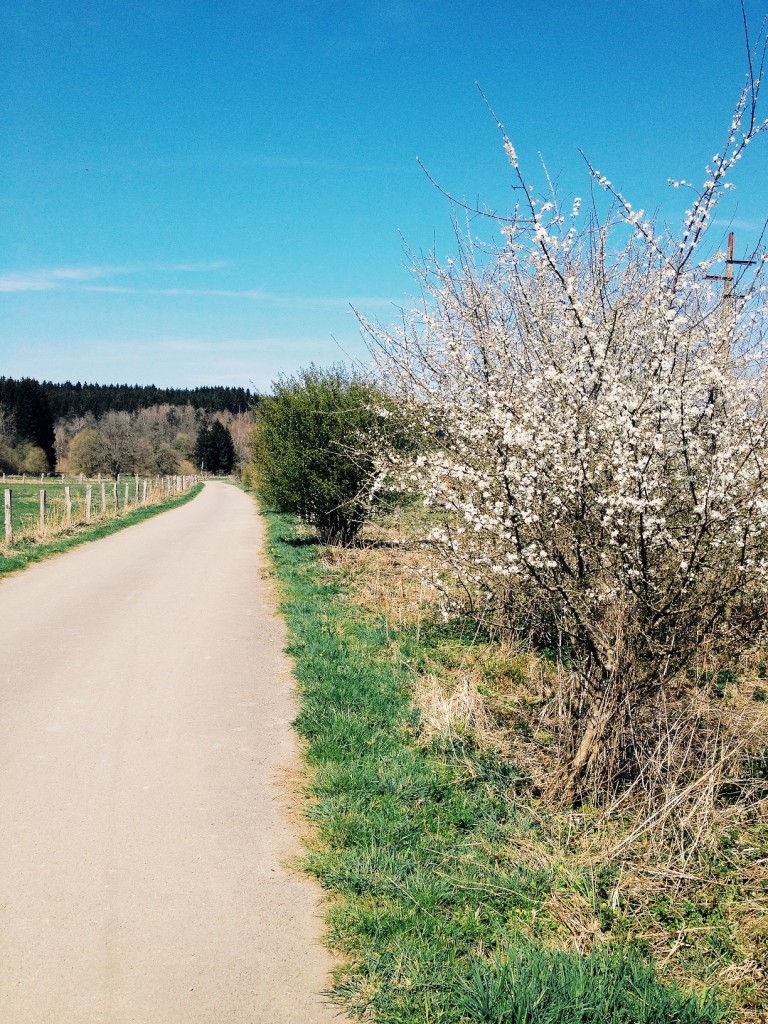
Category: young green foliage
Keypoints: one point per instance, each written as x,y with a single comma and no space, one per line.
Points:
312,450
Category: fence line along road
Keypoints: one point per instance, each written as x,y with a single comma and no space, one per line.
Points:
64,508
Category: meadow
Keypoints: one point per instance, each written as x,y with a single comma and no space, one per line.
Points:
112,500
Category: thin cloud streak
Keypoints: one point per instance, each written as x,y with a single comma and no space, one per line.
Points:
59,277
46,280
253,295
78,278
735,224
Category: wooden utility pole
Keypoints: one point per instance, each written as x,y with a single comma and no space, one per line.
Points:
728,288
728,293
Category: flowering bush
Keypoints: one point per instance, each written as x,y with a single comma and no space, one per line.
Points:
592,427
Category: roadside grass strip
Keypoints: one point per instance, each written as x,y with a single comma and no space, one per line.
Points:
28,550
415,842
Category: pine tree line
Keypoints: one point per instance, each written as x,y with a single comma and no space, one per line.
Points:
68,400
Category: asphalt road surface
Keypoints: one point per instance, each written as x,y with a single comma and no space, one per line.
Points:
146,827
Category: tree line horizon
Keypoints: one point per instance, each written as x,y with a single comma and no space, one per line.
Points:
45,426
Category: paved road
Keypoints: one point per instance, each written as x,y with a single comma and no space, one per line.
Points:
145,820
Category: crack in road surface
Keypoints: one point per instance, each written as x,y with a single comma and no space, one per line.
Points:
145,709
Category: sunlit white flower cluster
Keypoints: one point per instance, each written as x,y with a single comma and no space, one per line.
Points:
591,424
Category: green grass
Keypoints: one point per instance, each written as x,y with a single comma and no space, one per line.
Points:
26,497
437,919
27,551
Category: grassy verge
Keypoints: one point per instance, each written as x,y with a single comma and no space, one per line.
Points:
27,551
441,912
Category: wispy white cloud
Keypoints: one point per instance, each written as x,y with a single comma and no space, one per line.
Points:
735,224
50,279
252,294
45,280
97,279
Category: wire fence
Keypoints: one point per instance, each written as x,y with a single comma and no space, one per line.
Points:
39,510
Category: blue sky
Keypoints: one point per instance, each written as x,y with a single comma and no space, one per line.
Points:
195,192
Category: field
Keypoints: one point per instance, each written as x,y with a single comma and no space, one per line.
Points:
26,501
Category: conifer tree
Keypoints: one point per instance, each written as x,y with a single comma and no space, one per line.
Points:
214,448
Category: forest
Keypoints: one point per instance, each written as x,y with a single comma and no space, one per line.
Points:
119,428
67,399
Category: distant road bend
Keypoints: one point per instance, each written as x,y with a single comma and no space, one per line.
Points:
144,818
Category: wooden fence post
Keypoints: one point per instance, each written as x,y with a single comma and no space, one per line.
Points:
88,500
125,495
114,495
103,495
42,512
8,520
144,495
68,506
137,488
